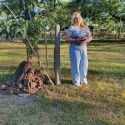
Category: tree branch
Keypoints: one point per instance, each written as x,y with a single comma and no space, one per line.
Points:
9,10
40,63
118,17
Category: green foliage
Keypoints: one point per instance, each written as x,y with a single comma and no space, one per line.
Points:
105,13
30,23
25,29
22,28
10,28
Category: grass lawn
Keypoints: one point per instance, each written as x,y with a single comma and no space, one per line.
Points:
102,102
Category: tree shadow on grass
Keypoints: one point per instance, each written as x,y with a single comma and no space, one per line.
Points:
106,77
62,111
92,74
3,92
66,76
66,81
55,111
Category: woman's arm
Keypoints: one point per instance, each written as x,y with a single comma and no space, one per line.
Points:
69,39
89,38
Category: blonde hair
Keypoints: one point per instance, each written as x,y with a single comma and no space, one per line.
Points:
72,20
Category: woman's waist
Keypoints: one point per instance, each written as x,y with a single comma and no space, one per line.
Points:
77,46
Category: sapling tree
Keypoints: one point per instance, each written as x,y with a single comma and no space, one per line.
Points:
28,22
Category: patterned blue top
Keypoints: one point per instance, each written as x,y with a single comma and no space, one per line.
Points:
79,32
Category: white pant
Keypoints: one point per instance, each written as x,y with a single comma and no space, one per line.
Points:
79,65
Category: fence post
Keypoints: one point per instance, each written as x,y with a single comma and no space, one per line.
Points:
57,54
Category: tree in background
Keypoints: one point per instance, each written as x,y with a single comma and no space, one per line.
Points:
27,19
41,13
106,13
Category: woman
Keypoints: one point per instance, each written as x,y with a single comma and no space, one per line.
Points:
78,35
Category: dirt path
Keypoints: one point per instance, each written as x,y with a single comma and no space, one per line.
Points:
10,101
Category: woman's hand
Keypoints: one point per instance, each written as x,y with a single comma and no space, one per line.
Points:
83,41
80,41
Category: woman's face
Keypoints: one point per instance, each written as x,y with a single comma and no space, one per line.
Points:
77,19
